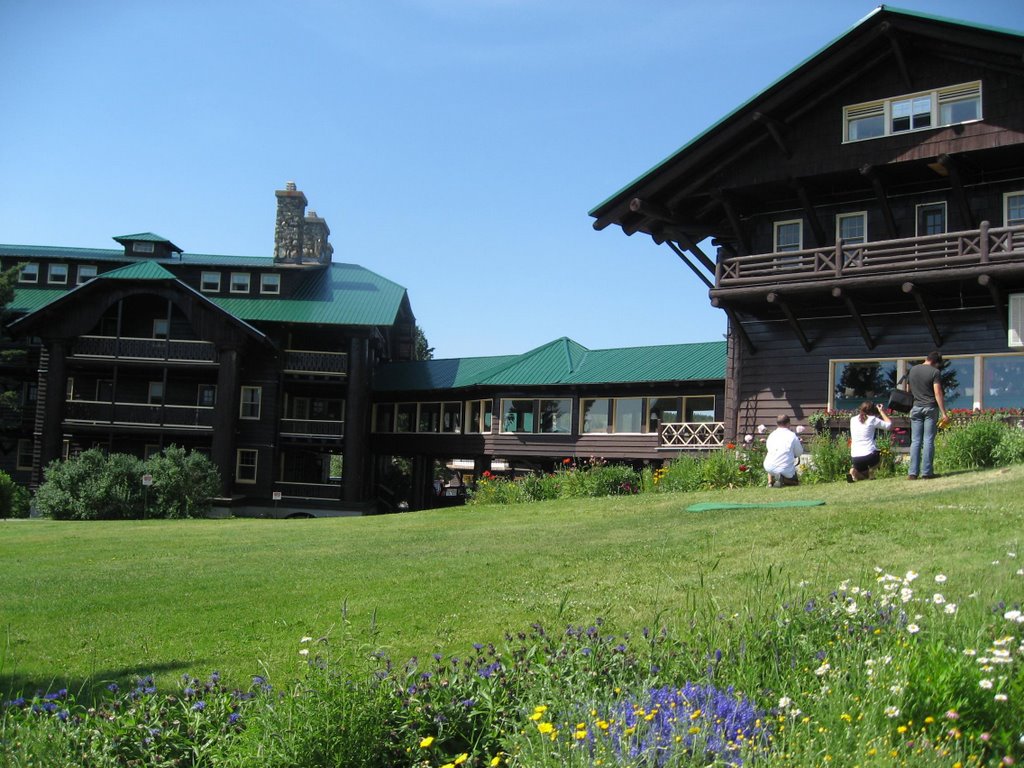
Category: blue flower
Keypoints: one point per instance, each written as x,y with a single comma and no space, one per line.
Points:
199,706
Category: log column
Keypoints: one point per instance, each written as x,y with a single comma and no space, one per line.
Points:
356,420
224,418
51,434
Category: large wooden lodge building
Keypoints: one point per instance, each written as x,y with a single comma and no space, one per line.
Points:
865,208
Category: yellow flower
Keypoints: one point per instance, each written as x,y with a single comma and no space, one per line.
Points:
496,760
427,742
461,759
545,727
580,734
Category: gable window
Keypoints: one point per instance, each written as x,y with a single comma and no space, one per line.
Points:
209,282
931,219
913,112
29,273
245,465
852,228
250,403
160,328
86,272
788,235
58,274
270,282
143,247
239,282
1013,209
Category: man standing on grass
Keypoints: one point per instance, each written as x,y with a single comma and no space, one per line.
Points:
784,449
925,380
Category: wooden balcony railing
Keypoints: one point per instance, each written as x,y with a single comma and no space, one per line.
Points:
138,414
692,435
290,490
312,428
308,362
968,249
172,350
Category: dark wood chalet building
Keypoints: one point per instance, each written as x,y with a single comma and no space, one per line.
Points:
866,208
531,412
264,364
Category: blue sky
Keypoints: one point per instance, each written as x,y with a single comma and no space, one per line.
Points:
453,146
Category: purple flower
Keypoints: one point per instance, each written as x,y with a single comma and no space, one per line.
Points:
199,706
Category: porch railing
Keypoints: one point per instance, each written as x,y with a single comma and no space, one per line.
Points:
692,435
312,428
138,414
176,350
290,490
302,361
969,248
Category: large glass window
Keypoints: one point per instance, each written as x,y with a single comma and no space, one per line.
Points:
517,415
629,414
430,417
405,417
788,236
856,382
664,410
912,112
852,228
479,416
451,418
700,408
556,415
1004,382
595,416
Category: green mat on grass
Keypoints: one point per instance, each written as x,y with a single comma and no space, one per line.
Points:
707,506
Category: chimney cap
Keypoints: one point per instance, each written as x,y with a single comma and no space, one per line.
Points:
289,186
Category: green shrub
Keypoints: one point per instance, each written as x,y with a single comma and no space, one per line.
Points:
184,483
683,474
1011,447
14,501
830,458
970,445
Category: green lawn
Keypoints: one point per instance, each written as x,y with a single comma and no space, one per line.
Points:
88,602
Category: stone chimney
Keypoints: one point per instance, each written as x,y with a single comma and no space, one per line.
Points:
288,230
315,247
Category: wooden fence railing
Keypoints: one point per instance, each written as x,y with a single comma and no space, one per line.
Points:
693,435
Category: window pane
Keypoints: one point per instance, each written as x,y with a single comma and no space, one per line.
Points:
555,415
959,111
451,418
517,416
700,409
958,383
629,414
857,382
405,418
931,219
1014,209
1004,382
595,416
866,128
787,236
664,410
430,417
385,417
851,229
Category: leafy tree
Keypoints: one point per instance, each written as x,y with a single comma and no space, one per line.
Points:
423,349
14,501
10,388
184,483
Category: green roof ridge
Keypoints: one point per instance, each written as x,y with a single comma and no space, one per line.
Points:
142,270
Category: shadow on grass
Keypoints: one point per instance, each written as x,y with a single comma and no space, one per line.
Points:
88,690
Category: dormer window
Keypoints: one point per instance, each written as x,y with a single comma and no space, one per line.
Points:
239,282
270,282
209,282
58,274
140,246
29,273
912,112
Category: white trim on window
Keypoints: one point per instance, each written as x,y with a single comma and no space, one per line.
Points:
85,273
842,218
921,209
270,282
1013,209
246,465
240,282
209,282
29,273
250,403
57,274
921,111
788,245
161,328
155,396
24,459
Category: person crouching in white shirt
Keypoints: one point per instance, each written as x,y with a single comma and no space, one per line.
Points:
864,454
784,449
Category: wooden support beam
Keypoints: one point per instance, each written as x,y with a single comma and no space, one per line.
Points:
682,255
734,220
870,173
775,129
897,52
736,326
956,181
774,298
649,209
691,245
812,216
995,290
851,307
926,313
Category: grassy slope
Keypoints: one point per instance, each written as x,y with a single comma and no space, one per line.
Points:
100,601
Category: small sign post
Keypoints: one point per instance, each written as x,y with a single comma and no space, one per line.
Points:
147,480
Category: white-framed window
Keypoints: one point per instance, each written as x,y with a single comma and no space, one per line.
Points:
246,461
209,282
789,235
478,416
156,393
240,282
86,272
57,274
852,228
29,273
270,282
540,416
161,328
206,396
250,403
931,219
1013,209
24,454
69,388
143,247
912,112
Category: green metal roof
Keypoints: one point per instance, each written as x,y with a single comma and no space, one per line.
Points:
148,237
560,362
143,270
30,299
88,255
